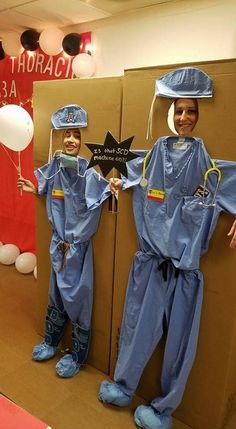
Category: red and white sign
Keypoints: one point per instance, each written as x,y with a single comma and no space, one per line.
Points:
17,210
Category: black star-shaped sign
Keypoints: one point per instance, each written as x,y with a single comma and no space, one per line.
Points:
111,154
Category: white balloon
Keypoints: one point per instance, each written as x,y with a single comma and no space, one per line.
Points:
50,41
83,65
8,254
12,45
25,262
35,272
16,127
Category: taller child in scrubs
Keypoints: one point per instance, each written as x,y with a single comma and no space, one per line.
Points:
73,197
178,194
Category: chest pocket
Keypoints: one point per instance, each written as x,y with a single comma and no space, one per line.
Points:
153,204
192,213
79,204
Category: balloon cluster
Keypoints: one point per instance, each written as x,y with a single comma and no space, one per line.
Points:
25,262
51,41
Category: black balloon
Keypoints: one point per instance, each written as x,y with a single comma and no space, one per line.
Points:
2,53
30,40
71,44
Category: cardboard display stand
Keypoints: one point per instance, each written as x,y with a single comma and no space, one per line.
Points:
210,395
101,98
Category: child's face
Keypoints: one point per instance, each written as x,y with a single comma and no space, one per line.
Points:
71,142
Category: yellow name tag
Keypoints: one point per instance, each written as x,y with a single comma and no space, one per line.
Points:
58,193
156,194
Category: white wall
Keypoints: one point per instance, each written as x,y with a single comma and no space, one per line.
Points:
175,32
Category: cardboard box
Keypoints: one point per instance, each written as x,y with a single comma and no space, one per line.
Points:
101,98
210,396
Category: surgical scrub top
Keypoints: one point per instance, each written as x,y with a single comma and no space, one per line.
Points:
172,218
73,198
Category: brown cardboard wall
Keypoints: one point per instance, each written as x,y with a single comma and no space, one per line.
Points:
210,393
101,98
211,388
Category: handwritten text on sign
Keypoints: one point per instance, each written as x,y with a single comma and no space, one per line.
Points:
111,154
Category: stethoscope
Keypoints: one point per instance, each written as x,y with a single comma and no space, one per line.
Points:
216,170
144,181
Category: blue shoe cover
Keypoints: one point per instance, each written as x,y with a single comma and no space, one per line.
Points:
110,393
43,351
67,367
147,418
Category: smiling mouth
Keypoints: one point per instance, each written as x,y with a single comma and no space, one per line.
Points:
185,127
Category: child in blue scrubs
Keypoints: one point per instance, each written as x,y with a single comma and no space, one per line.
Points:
74,197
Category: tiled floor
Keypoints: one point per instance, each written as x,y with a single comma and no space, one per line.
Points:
62,404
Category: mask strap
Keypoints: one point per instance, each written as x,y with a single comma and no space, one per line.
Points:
150,120
50,154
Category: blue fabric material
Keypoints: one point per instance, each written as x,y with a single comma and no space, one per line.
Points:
66,367
165,285
111,393
75,216
69,365
146,418
71,116
54,329
80,343
43,351
152,299
186,82
72,287
55,326
73,200
179,228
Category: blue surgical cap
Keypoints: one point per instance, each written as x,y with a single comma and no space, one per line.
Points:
186,82
71,116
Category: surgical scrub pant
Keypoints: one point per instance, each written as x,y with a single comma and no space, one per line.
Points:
71,282
158,294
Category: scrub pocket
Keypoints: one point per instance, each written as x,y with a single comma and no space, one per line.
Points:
192,212
79,205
